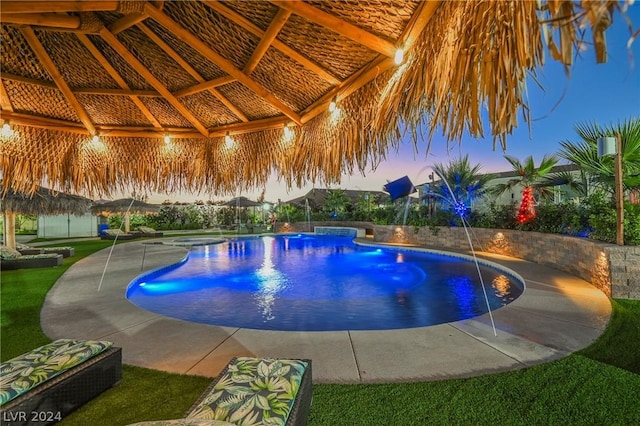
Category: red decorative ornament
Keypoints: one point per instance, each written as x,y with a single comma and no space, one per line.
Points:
527,209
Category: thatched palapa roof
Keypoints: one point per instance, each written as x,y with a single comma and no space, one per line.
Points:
124,205
263,74
43,201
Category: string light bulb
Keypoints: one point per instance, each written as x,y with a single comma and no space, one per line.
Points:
333,105
228,140
95,139
288,132
7,130
398,58
167,139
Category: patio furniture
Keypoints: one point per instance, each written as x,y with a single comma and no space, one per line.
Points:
278,390
148,232
42,386
284,383
112,234
11,259
27,250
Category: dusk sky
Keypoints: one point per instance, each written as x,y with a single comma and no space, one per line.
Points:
602,93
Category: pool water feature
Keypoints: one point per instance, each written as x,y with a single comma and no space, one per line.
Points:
319,283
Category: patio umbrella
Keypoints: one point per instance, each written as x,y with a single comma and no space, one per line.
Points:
126,207
42,201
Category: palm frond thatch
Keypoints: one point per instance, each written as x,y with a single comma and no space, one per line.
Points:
196,70
43,201
123,206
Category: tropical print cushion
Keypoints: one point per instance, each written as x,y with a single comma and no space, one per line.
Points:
8,253
184,422
20,374
254,391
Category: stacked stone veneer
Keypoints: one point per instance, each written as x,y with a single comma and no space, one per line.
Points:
613,269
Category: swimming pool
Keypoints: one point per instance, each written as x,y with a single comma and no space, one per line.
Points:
320,283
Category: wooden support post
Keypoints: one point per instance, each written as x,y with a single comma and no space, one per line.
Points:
10,230
619,189
127,223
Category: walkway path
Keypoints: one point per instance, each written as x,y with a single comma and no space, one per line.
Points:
556,315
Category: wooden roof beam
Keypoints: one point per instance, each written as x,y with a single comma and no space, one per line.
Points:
114,74
83,90
5,102
116,92
182,34
205,85
28,80
56,20
253,126
421,17
21,6
192,71
127,21
51,68
139,132
274,28
257,31
43,122
339,26
144,72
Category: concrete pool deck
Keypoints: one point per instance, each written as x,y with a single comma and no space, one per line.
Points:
557,314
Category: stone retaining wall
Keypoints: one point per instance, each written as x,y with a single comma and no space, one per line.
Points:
613,269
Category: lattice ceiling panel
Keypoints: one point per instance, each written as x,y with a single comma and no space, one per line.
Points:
18,58
205,68
112,110
133,78
328,48
75,63
157,61
216,31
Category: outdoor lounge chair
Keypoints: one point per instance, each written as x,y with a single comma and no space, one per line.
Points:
37,391
112,234
26,250
145,231
11,259
283,384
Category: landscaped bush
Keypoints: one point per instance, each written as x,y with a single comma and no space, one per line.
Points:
602,218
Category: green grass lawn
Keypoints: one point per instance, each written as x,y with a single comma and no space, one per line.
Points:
599,385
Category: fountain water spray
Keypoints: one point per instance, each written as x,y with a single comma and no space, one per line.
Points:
112,246
475,259
307,210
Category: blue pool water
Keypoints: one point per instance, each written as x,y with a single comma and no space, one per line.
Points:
315,283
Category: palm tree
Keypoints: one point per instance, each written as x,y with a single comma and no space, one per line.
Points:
600,170
531,178
465,181
336,202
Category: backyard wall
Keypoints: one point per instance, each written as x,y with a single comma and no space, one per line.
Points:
613,269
